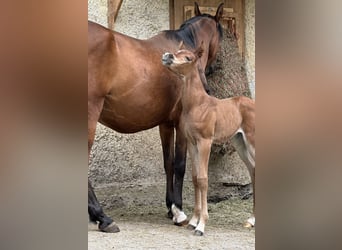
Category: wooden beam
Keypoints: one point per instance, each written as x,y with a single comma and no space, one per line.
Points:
113,10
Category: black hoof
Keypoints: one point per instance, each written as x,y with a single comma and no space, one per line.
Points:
111,228
190,227
198,233
169,214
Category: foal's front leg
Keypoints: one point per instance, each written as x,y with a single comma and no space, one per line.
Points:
194,156
200,179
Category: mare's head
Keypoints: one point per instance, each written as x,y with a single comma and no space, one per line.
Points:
201,27
183,62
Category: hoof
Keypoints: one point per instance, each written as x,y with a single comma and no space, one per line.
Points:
190,227
111,228
198,233
250,222
248,225
182,223
179,217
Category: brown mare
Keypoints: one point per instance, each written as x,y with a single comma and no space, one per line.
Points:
129,90
206,119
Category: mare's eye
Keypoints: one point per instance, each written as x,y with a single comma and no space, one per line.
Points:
188,58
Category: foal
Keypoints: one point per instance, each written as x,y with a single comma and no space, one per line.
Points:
206,119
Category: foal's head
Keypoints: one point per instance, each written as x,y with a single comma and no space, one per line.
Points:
183,62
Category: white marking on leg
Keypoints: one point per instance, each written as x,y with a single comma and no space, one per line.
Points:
178,215
194,221
200,227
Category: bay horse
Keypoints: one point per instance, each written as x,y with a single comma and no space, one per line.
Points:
129,91
206,119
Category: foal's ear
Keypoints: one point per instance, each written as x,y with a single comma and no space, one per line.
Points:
181,45
199,50
219,13
197,10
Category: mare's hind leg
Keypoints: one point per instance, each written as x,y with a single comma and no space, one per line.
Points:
241,147
95,211
166,132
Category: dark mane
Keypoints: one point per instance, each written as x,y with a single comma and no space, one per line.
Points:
186,32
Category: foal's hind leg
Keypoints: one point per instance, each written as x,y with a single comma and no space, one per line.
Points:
241,147
95,211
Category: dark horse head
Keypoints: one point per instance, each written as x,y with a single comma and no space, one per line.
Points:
198,28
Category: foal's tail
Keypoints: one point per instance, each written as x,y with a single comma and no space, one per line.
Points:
244,139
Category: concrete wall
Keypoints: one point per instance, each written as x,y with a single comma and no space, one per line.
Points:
142,18
250,43
97,11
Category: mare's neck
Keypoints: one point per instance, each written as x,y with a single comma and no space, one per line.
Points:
193,92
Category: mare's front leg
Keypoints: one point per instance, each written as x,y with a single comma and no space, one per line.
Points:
95,211
166,132
179,216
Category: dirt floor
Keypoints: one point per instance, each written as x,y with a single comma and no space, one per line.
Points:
147,227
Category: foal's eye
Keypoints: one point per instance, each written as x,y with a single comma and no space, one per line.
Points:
188,58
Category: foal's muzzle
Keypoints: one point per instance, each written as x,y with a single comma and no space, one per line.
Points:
167,58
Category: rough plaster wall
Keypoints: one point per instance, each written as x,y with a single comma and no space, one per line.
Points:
250,43
142,19
97,11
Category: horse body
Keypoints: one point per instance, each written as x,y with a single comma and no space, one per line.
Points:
129,91
205,120
136,90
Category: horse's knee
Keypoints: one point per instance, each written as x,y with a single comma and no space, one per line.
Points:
194,181
202,183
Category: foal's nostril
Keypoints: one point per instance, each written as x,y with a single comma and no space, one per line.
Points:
167,58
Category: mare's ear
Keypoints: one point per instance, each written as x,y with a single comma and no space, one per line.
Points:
199,50
219,13
181,45
197,10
